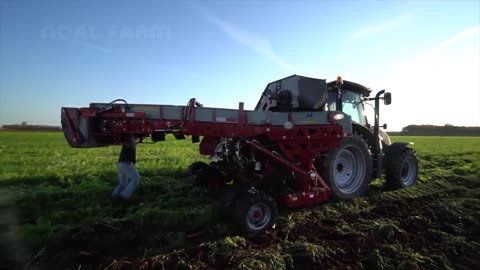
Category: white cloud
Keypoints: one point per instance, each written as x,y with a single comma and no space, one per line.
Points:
384,26
438,86
257,43
471,31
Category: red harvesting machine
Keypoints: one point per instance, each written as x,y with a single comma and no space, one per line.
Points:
306,141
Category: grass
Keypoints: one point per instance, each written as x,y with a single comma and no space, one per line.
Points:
57,199
54,188
442,157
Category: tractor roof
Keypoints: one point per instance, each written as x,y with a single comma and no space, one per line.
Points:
352,86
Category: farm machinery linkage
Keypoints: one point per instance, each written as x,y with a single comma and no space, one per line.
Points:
306,141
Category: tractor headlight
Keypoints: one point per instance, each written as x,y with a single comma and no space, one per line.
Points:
338,116
335,116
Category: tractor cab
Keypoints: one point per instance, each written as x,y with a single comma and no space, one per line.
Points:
348,97
352,104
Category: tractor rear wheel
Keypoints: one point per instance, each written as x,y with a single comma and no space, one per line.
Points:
348,169
255,211
402,171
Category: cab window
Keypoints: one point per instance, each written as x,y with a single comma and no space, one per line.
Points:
351,104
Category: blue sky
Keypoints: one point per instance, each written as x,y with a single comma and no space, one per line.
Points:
71,53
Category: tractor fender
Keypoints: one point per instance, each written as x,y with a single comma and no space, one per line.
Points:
394,150
365,133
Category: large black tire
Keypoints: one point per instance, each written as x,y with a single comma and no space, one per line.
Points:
348,169
255,211
401,171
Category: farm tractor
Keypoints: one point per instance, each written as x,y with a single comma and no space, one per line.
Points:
306,141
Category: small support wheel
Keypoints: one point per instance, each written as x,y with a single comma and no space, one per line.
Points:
255,211
402,170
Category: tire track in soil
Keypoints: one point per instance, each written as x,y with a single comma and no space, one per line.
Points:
418,217
428,215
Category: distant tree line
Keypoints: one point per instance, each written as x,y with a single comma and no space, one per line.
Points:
431,130
26,127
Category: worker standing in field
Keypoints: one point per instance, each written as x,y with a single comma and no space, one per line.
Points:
128,176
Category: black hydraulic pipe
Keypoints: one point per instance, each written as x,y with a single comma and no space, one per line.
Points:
339,98
378,149
377,118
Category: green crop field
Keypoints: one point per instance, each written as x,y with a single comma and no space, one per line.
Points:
56,213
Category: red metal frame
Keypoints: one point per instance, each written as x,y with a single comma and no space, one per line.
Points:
299,144
67,120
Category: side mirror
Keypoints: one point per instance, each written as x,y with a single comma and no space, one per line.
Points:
384,126
387,98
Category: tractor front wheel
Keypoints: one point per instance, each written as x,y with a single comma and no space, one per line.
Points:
348,169
255,211
402,171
